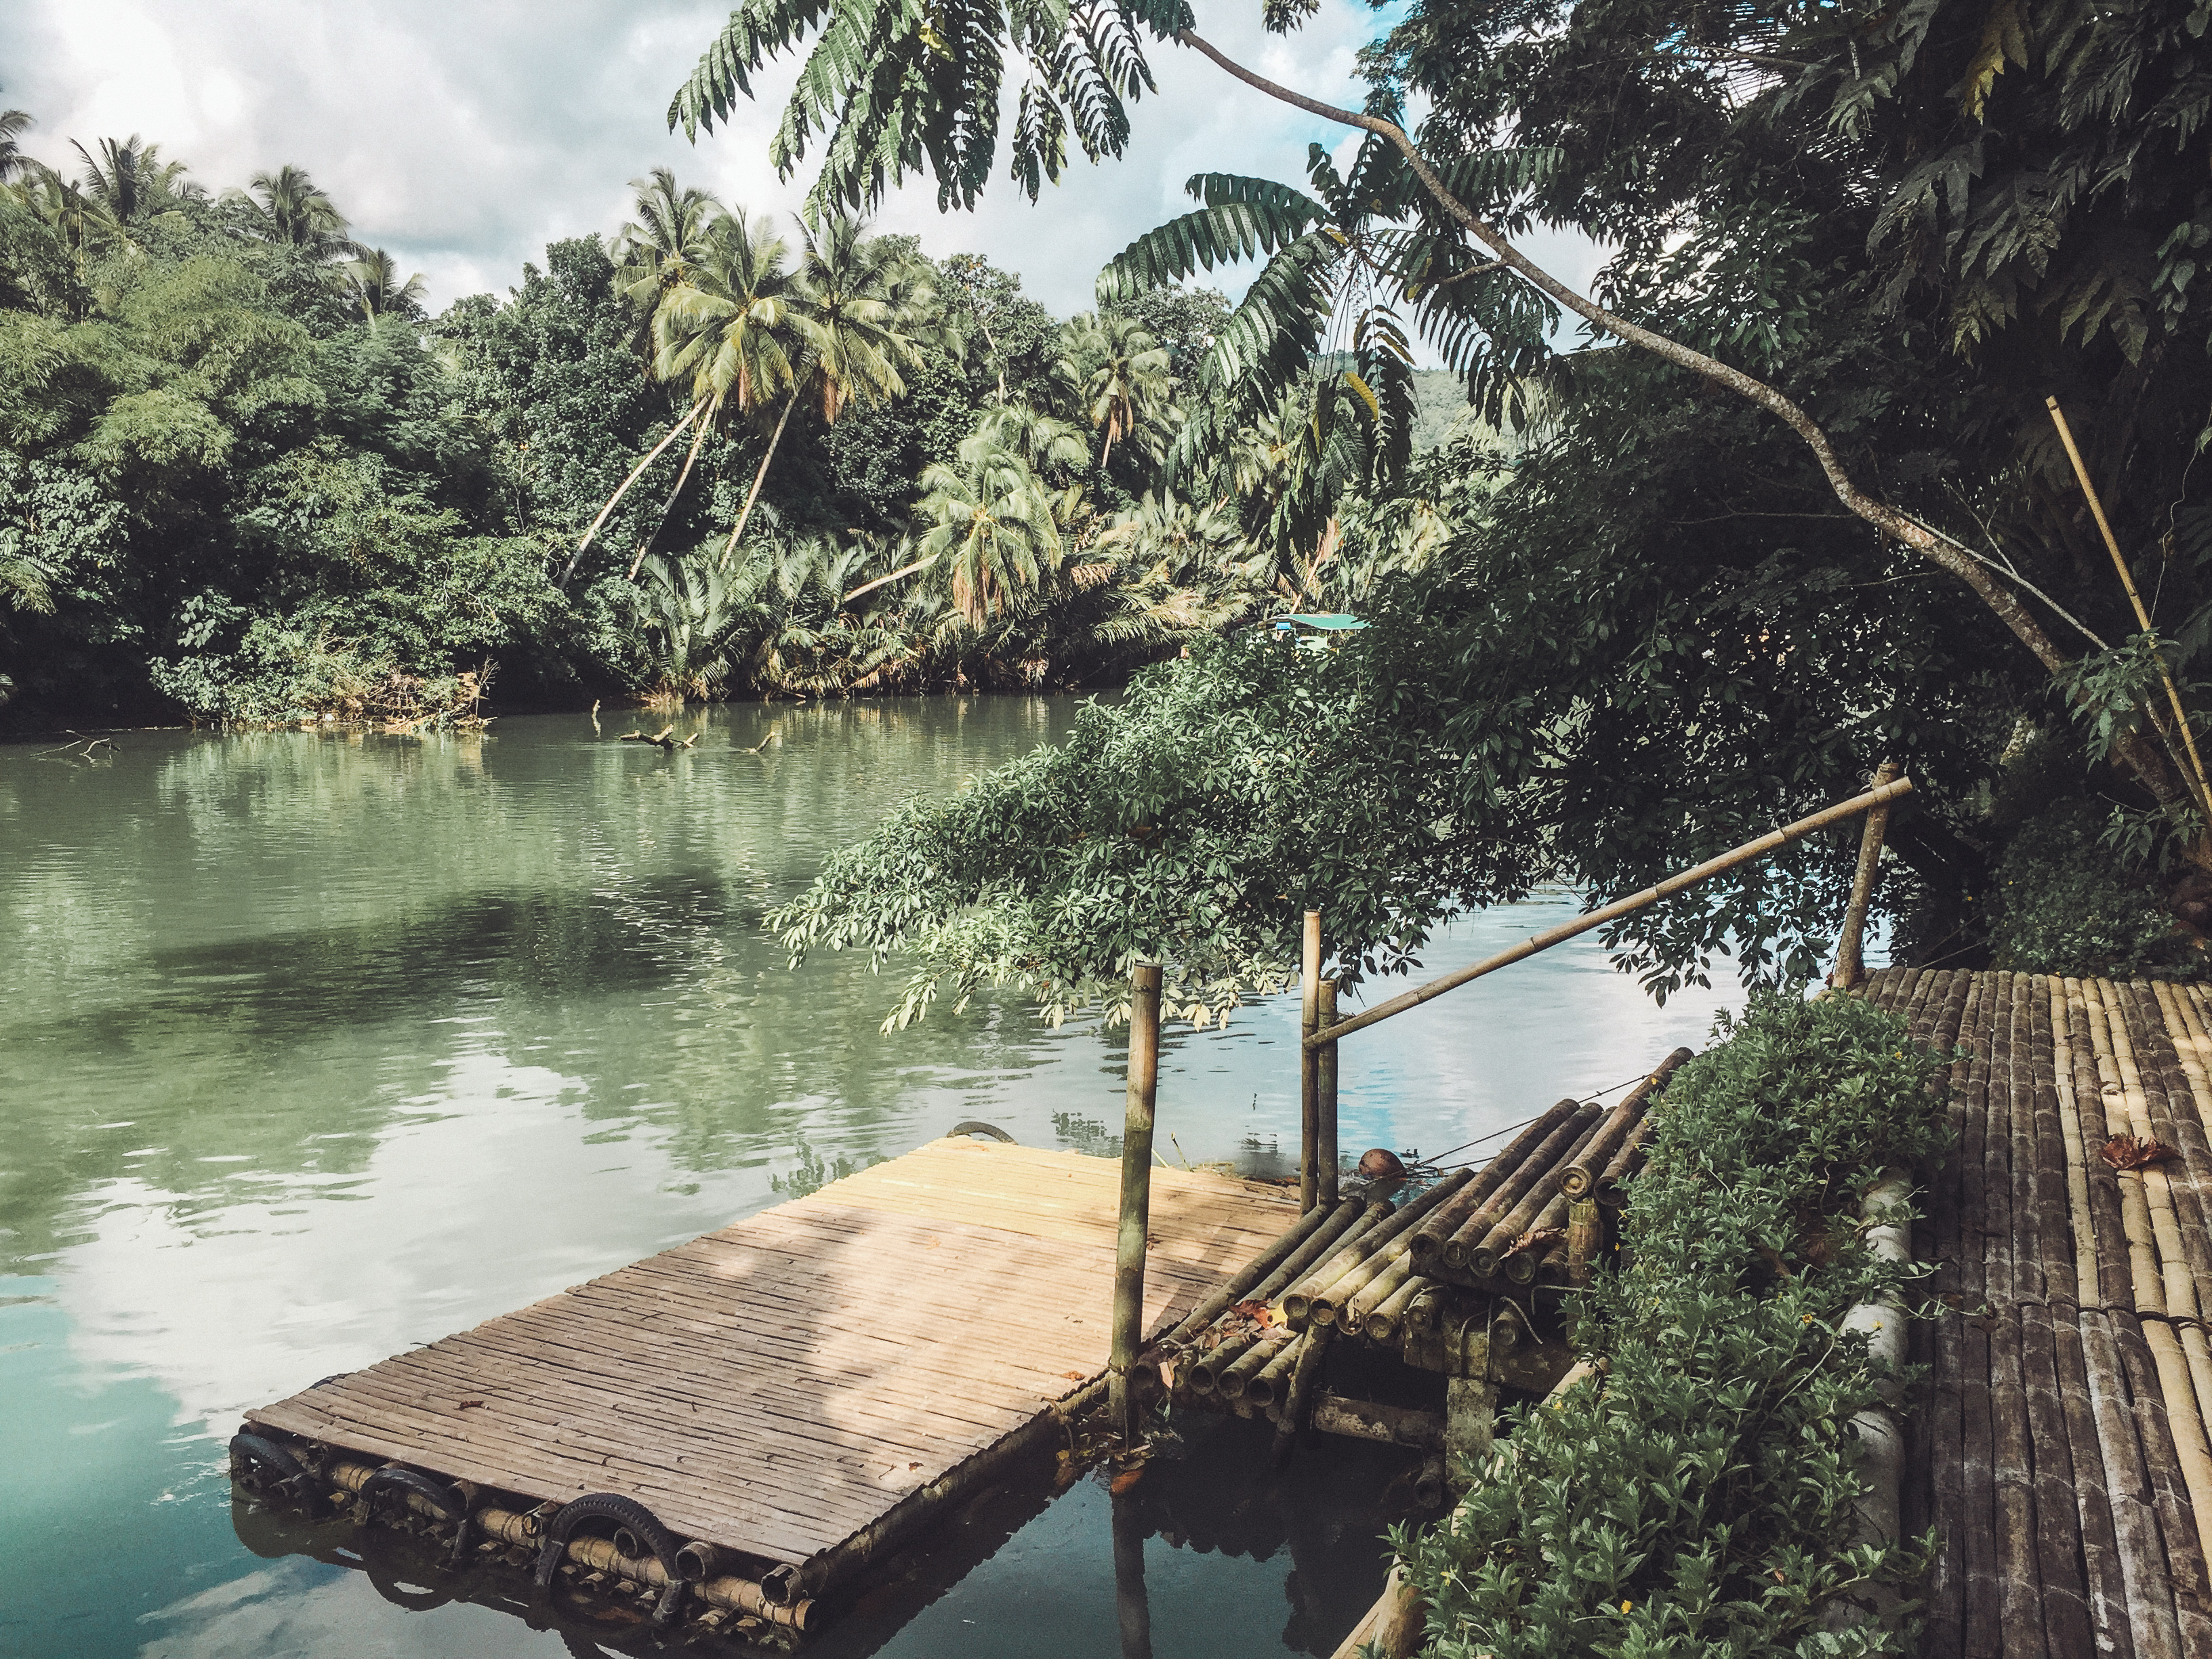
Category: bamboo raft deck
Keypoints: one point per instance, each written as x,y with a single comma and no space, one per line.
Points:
793,1389
2058,1448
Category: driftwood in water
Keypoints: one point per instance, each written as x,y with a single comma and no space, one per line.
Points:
665,739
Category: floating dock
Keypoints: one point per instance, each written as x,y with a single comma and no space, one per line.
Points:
2059,1447
790,1396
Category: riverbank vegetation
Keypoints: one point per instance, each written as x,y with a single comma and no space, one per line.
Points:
1796,506
244,474
1702,1498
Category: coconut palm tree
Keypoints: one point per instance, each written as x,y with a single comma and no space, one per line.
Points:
373,284
1128,396
992,526
13,125
288,207
727,328
129,179
660,249
861,306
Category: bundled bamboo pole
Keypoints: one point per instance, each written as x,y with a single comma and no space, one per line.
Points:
1304,1378
1589,1164
1519,1183
1239,1288
1607,1189
1386,1322
1355,1265
1230,1382
1267,1386
1430,1238
2153,1228
1487,1254
1210,1367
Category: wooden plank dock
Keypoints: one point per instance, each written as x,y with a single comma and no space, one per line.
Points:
785,1388
2059,1443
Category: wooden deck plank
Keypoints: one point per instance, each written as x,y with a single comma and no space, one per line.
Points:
778,1385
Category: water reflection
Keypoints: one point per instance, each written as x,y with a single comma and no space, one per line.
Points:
312,1049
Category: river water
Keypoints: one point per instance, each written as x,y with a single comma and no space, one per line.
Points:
312,1049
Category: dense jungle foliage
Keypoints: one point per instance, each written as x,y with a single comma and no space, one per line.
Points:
242,470
1703,1500
1796,506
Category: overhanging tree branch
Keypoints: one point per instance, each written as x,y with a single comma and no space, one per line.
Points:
1941,550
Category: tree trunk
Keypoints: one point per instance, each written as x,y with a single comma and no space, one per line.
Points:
760,476
635,473
690,455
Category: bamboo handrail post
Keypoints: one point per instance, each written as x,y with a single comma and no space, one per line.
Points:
1773,842
1850,964
1309,1064
2135,598
1136,1191
1325,1155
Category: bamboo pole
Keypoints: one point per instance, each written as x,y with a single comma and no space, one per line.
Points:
1430,1238
1309,1063
1266,1387
1387,1321
2148,1210
1773,842
1136,1192
1345,1273
1556,1147
1325,1151
1851,966
2135,598
1230,1382
1303,1377
1237,1289
1483,1257
1589,1163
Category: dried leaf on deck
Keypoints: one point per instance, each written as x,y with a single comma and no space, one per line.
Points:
2126,1153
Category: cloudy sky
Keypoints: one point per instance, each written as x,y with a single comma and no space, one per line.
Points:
463,135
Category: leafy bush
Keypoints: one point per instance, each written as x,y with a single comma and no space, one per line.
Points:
2062,902
1702,1503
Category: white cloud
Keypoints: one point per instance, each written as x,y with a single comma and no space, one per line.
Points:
465,138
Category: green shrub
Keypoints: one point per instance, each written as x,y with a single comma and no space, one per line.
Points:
1702,1501
2062,902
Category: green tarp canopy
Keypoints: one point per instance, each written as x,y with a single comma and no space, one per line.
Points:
1331,621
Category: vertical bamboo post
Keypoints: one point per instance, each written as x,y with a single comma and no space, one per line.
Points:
1325,1092
1132,1609
1309,1066
1850,967
1136,1192
2203,792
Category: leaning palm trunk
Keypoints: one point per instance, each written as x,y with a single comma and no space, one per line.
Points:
668,506
759,478
635,473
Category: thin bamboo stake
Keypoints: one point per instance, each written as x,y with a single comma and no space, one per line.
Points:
1325,1158
1309,1064
1303,1379
2142,616
1774,841
1136,1192
1851,966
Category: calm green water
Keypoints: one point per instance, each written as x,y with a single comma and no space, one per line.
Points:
314,1048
